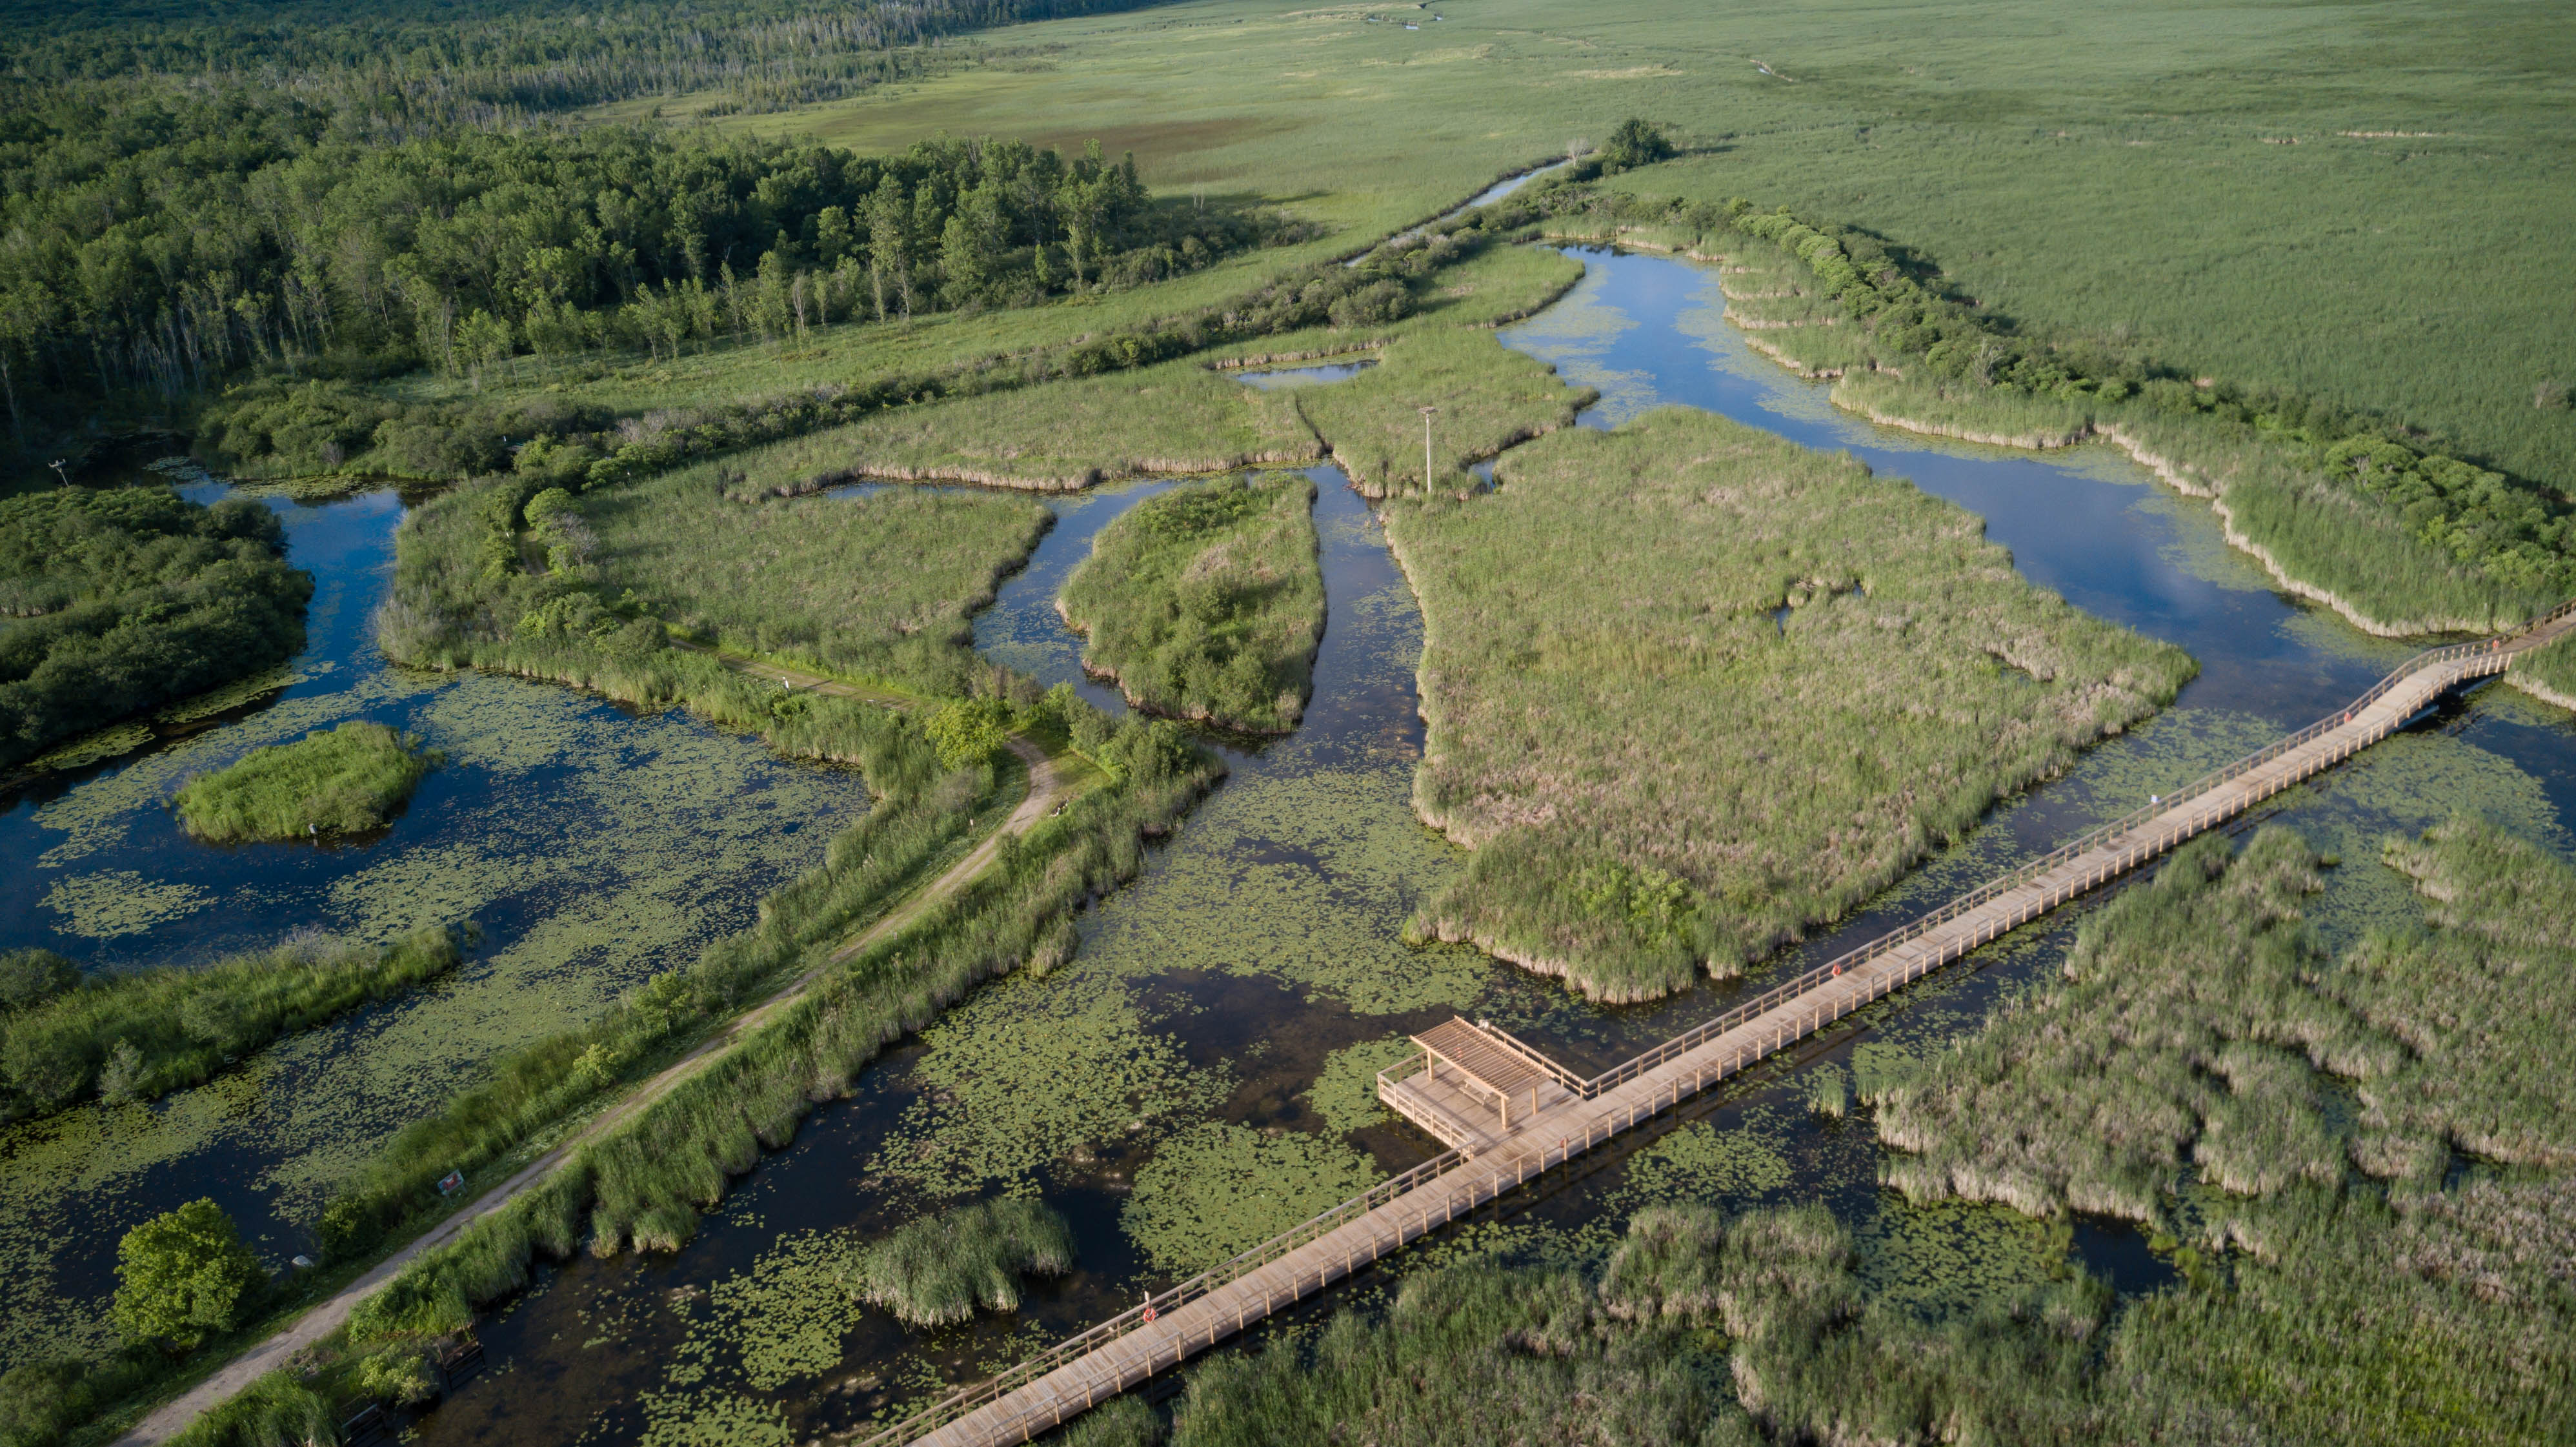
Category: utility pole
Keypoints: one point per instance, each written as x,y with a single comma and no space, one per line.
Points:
1426,449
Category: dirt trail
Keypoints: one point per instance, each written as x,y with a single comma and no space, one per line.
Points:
1048,789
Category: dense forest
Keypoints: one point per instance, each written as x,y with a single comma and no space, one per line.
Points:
356,196
445,62
119,601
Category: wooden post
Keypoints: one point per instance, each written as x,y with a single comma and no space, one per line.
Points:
1426,449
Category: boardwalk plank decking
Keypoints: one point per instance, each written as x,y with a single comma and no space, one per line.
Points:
1570,1116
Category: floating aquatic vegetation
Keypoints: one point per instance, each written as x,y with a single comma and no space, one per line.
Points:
1951,1255
1028,1072
1216,1189
1704,1163
119,902
1305,878
1345,1092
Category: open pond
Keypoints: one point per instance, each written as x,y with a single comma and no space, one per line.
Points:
1199,1076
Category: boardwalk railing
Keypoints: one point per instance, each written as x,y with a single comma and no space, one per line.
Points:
2131,842
2499,651
1234,1269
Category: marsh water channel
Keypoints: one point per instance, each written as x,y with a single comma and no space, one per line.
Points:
1199,1076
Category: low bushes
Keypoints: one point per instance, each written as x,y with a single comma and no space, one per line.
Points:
936,1271
139,1036
338,781
1742,688
115,602
1207,602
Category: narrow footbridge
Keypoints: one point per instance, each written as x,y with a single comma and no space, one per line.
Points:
1508,1113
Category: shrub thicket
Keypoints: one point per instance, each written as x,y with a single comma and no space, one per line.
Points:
141,1035
1742,688
119,601
333,781
1207,602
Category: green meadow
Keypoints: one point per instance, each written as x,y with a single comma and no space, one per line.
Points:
2282,195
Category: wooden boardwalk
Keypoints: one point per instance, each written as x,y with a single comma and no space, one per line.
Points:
1557,1116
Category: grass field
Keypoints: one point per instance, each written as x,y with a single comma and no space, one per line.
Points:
2277,194
1176,417
1206,602
1743,686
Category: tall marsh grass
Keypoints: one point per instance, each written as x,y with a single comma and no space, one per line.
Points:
345,780
1740,688
1488,398
2186,1071
2365,514
938,1270
138,1036
879,587
1207,602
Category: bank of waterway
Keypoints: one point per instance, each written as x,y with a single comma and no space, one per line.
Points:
1198,1077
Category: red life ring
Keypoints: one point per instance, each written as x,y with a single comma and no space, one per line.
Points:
1149,1315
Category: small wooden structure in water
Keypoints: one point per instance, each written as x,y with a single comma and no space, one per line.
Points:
1471,1107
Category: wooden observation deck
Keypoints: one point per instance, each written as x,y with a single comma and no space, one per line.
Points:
1508,1113
1491,1077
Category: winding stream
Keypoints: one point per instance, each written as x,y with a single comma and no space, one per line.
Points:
1197,1077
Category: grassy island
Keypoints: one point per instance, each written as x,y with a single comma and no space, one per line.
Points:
1207,602
117,601
939,1269
1743,687
140,1035
345,780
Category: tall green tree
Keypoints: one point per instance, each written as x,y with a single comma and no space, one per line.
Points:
183,1275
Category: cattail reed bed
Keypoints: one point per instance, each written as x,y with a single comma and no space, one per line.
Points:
2419,1298
1743,687
1207,603
938,1270
142,1034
